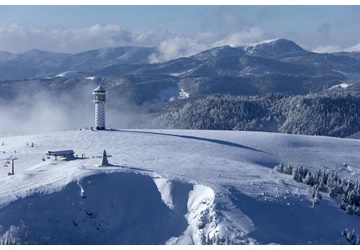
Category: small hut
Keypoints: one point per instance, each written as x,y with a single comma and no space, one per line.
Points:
67,154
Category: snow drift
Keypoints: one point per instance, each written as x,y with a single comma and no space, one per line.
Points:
116,208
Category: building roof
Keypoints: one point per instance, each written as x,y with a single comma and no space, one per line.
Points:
61,153
100,89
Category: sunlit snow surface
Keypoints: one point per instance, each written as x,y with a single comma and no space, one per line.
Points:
171,187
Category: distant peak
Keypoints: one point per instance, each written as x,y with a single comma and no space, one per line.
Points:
36,51
41,53
3,52
268,41
275,42
274,47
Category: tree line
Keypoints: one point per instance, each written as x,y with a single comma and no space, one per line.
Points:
326,114
345,190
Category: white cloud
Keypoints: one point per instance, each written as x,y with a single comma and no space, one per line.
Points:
248,36
181,46
327,49
19,37
185,45
353,48
335,48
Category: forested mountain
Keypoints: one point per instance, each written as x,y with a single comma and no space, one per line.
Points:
330,114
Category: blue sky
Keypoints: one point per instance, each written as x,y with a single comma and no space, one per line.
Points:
176,30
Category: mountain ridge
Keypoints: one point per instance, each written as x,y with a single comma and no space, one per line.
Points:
205,62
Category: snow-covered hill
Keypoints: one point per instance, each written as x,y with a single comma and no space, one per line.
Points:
276,48
171,187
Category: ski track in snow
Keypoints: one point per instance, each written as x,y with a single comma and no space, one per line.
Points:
171,187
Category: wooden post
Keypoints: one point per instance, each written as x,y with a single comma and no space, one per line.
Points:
12,167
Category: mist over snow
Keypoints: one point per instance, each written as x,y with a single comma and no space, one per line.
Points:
39,111
36,109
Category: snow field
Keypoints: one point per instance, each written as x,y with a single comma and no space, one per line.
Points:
171,187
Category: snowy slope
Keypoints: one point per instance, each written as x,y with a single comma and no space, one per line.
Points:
171,187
